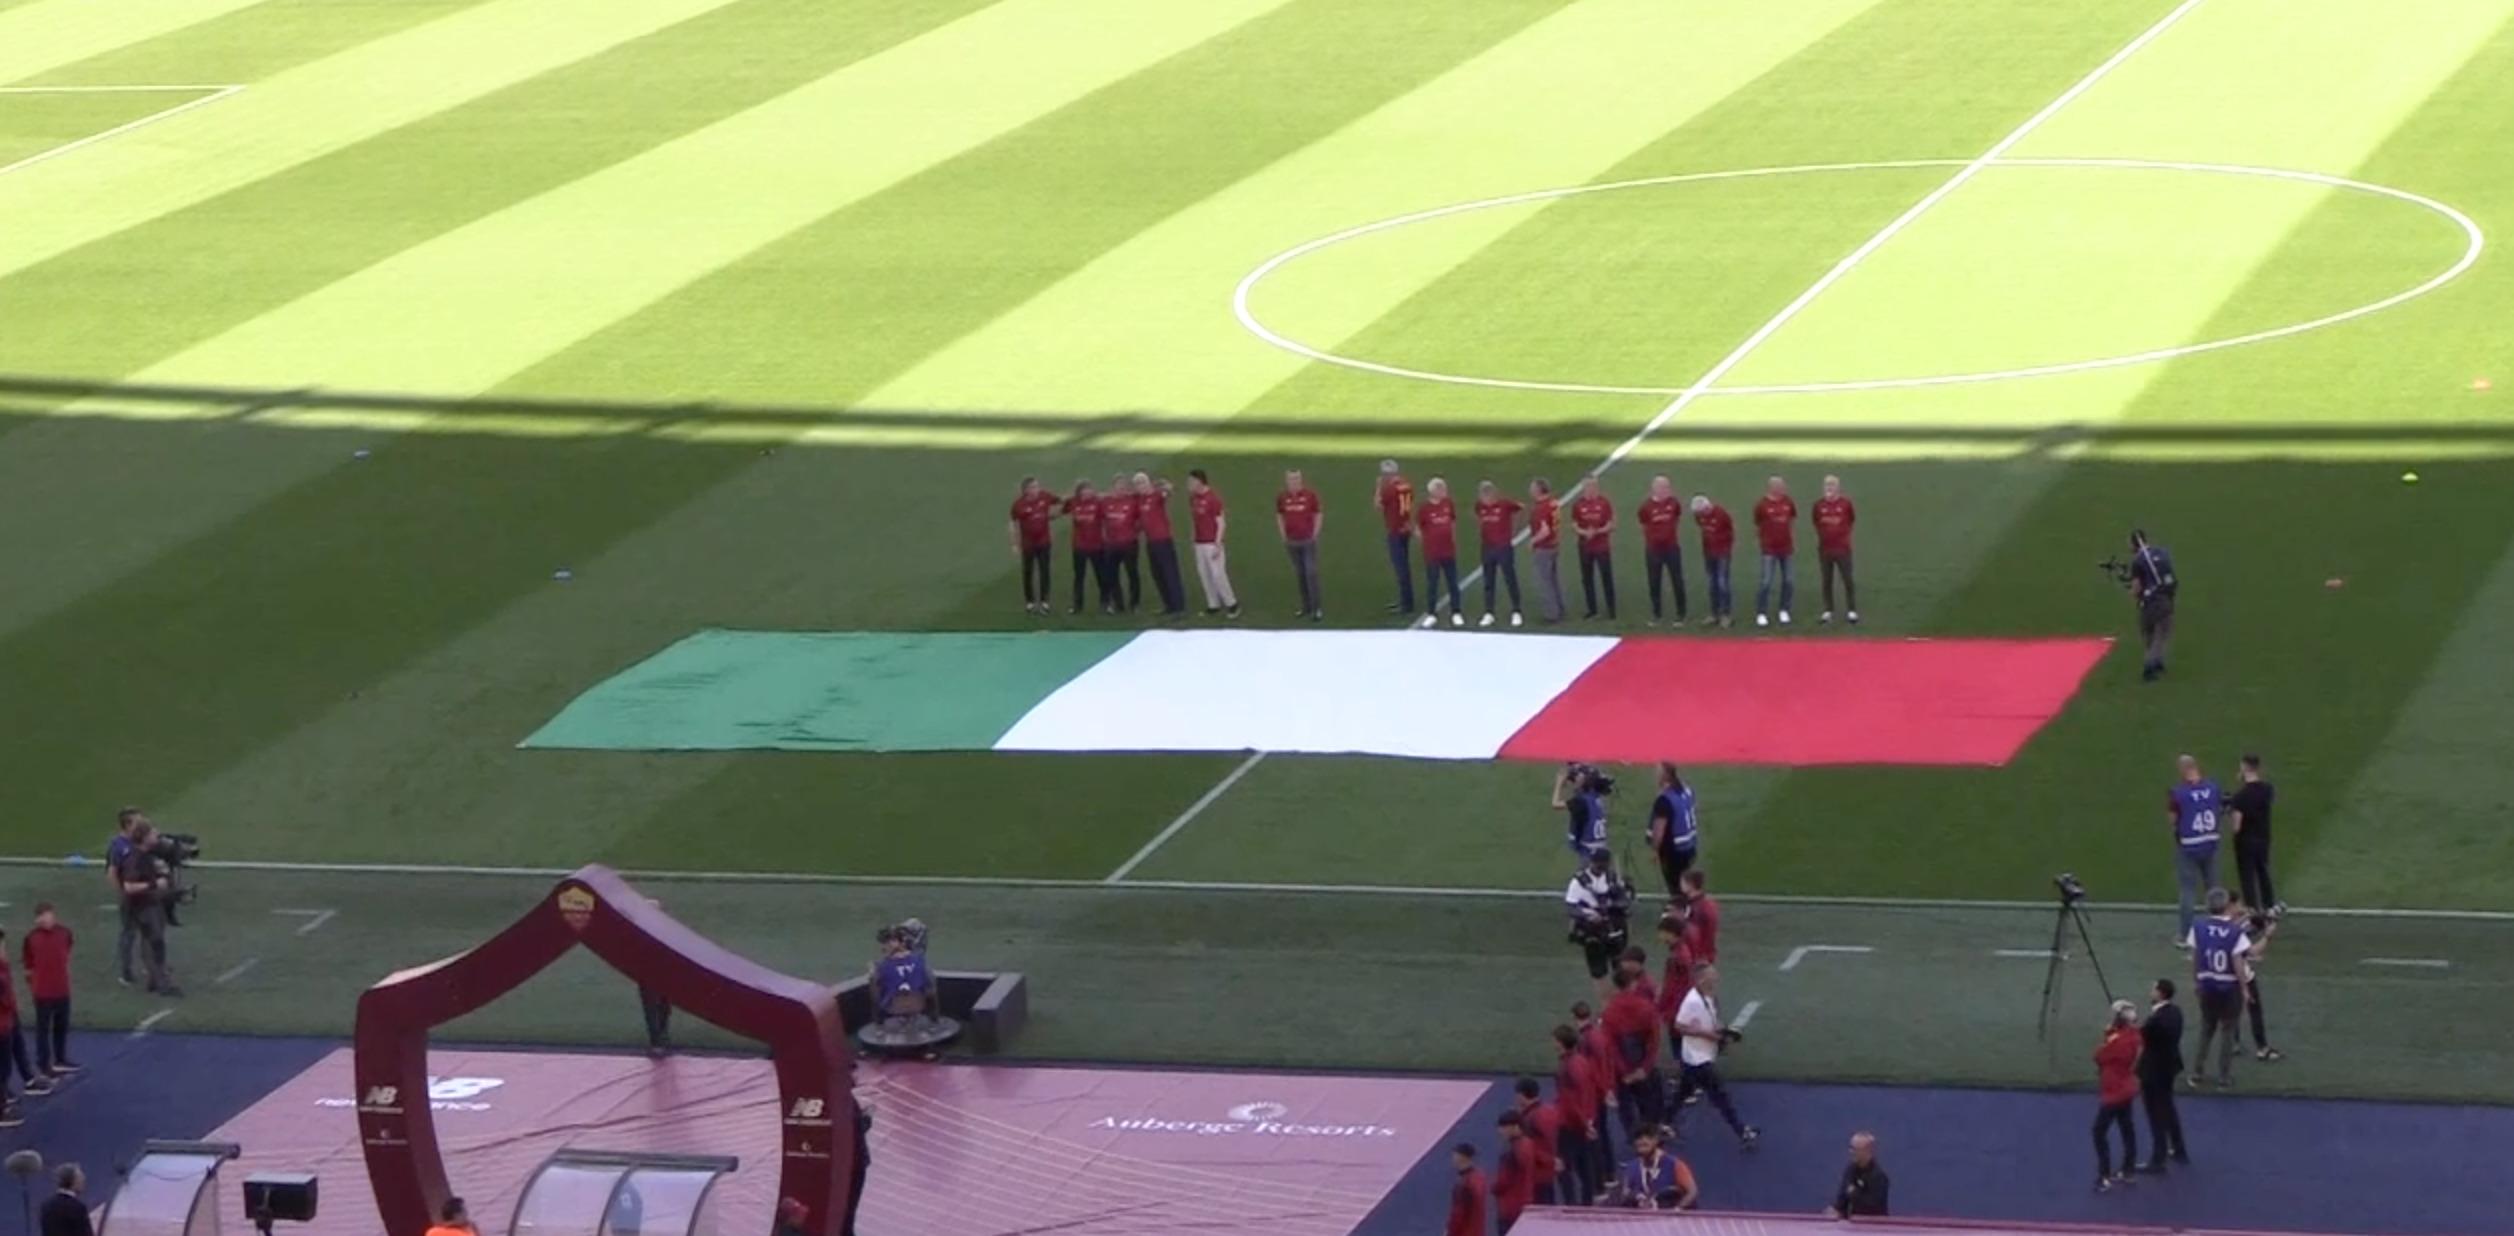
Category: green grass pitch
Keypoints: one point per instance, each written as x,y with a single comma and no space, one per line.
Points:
751,312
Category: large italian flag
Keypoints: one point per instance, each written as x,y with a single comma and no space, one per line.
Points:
1808,699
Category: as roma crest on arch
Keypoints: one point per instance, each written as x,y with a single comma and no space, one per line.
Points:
576,907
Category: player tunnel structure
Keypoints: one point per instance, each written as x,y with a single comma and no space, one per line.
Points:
797,1019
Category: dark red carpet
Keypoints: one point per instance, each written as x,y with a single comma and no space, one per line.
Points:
1806,701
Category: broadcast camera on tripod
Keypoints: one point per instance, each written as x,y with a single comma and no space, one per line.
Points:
2072,911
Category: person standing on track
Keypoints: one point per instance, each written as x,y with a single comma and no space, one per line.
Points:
1208,523
2160,1070
2258,928
2193,806
1702,914
1439,519
1593,519
1775,516
1394,495
46,952
1545,550
1834,515
1300,517
1674,834
1152,498
1083,511
1579,1142
1496,522
1466,1197
1032,527
1701,1035
1121,538
2116,1084
2249,812
2220,970
1542,1123
1514,1173
1659,515
1719,540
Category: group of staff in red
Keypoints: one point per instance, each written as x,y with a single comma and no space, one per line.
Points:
1113,534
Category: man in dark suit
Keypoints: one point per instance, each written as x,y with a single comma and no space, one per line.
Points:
65,1212
2160,1066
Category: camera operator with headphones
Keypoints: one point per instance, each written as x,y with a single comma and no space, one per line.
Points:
147,888
1600,902
1581,793
2149,574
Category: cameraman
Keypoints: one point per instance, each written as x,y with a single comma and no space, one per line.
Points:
1581,793
146,887
1599,901
2152,584
118,849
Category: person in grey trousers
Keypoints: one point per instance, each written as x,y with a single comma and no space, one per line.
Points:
1545,549
1299,516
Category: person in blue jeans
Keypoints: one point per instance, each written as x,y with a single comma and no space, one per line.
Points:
1719,536
2193,805
1776,515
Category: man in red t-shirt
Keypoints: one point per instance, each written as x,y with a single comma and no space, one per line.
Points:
1593,520
1152,510
1121,533
1545,538
1719,538
1394,496
1083,509
1204,510
1514,1173
1834,516
1497,528
1466,1197
1575,1098
1702,917
1300,517
46,952
1542,1123
1774,515
1660,515
1438,517
1034,511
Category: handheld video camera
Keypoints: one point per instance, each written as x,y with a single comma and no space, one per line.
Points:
1589,777
2117,568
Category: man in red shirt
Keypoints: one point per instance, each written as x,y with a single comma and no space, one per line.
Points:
1152,509
1676,975
1300,517
1660,514
1834,516
2116,1086
1084,510
1545,540
1593,519
1033,513
1497,526
1121,531
12,1042
1600,1047
1514,1173
1575,1099
1719,538
1466,1197
1204,510
1702,917
1632,1027
1394,496
1439,519
1774,515
46,952
1542,1123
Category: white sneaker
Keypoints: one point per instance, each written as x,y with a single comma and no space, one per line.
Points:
1854,617
1763,620
1825,619
1784,617
1429,620
1517,621
1457,619
2183,942
1485,621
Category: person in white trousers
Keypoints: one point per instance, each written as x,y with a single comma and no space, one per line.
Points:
1204,505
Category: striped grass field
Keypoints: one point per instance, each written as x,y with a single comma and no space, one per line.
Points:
750,313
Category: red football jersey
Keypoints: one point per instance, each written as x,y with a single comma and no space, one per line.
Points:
1594,520
1086,517
1300,514
1833,519
1154,510
1497,519
1719,532
1545,524
1773,520
1659,518
1034,512
1205,511
1439,518
1396,504
1117,520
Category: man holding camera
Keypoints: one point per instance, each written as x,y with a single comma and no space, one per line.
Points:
2152,584
1701,1035
1581,793
146,887
1600,905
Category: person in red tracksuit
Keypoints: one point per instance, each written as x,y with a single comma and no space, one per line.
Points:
1514,1173
1575,1099
1542,1122
2116,1088
1466,1197
46,952
1719,539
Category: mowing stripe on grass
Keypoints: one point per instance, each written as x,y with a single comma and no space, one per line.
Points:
41,35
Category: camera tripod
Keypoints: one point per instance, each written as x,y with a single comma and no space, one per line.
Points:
2070,912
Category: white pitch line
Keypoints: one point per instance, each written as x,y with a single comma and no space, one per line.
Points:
2023,952
2424,963
1186,817
114,89
44,156
236,971
313,919
1745,1015
1800,953
150,1021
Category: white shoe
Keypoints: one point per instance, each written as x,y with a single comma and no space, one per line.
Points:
1825,619
1784,617
1763,620
1457,619
1517,621
2183,942
1485,621
1854,617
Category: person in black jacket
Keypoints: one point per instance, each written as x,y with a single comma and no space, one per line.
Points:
65,1212
2160,1066
1862,1193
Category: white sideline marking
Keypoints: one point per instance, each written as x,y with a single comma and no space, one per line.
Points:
148,1022
1745,1015
236,971
44,156
2426,963
1194,809
111,89
2025,952
1675,407
1799,954
313,918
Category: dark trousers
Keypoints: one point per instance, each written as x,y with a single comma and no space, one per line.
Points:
1304,555
1575,1180
658,1018
2252,1008
1672,867
2164,1121
2221,1008
14,1053
1597,570
1401,562
1090,568
1034,575
2252,868
1640,1104
1706,1078
2156,628
1166,580
1501,566
1669,562
2116,1114
147,922
1437,573
1723,592
52,1033
1126,565
1827,566
122,947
